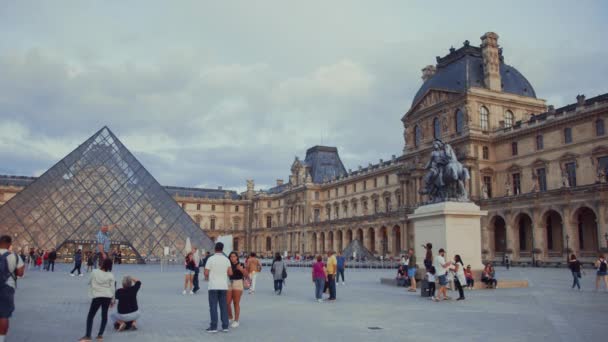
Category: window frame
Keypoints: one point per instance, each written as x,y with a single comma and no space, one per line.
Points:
568,135
484,118
514,148
509,118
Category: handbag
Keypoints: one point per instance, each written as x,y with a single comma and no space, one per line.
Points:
284,274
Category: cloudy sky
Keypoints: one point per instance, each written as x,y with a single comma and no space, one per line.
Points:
209,93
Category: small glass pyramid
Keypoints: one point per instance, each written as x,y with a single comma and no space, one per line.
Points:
99,183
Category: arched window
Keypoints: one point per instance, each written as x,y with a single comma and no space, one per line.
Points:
508,119
436,128
599,127
483,118
417,135
459,118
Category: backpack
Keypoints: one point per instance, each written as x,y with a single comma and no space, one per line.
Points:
5,273
603,265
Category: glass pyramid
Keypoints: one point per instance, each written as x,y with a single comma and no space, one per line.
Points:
99,183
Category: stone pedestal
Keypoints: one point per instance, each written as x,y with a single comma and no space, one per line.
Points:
453,226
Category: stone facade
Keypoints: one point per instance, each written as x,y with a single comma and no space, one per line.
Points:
538,171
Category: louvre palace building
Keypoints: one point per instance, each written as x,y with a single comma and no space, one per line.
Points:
539,172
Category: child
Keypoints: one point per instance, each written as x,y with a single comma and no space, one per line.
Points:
89,262
468,274
430,277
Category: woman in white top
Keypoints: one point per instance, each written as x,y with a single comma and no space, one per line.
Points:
459,277
101,289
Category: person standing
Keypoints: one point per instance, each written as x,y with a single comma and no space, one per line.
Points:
411,270
197,259
430,278
602,270
441,269
189,263
32,260
318,278
575,269
428,258
507,262
90,261
77,262
341,266
235,288
101,290
45,258
217,271
11,267
459,278
253,268
103,242
279,273
332,267
207,255
52,258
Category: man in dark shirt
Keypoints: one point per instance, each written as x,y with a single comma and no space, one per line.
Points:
52,258
127,313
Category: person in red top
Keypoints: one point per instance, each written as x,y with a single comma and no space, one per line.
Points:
319,276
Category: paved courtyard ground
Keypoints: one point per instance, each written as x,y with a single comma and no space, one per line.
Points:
53,307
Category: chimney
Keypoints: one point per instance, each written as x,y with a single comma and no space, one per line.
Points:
428,72
279,182
491,61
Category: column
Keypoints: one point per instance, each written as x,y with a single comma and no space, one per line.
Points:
511,240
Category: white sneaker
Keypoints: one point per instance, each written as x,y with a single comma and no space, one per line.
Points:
71,274
320,300
184,292
191,293
81,275
235,324
343,283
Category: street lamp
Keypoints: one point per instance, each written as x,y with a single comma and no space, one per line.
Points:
567,247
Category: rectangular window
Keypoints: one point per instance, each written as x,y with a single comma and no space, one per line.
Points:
198,206
375,206
387,204
336,192
541,175
487,181
567,135
354,208
540,143
516,184
514,148
317,215
236,208
268,221
571,173
485,153
345,208
375,182
328,194
316,195
328,212
355,187
386,180
213,207
269,204
337,211
345,190
364,185
212,225
599,127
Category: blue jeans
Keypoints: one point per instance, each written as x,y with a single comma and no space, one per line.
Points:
340,273
218,297
331,278
319,286
278,285
575,281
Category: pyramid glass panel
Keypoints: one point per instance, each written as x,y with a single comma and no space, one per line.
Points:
99,183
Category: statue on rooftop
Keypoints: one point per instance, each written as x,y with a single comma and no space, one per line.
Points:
446,176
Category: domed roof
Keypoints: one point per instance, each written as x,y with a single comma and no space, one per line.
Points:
463,68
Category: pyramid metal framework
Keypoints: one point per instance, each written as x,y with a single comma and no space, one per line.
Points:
357,247
99,183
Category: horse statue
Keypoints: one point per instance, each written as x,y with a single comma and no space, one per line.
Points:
446,177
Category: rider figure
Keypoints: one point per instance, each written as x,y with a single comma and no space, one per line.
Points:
435,166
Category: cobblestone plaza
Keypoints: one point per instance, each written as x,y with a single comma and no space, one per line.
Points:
53,307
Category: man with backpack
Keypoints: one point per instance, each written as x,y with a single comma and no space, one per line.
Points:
11,267
602,272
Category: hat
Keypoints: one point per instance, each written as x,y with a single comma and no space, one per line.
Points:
468,266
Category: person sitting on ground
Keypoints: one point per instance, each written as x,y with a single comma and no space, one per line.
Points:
468,274
401,276
127,313
488,276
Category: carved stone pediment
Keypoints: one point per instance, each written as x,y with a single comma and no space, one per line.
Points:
600,150
568,156
540,162
487,171
514,168
433,97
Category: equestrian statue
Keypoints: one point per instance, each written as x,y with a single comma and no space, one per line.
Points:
446,176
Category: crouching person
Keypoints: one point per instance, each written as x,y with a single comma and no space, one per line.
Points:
127,313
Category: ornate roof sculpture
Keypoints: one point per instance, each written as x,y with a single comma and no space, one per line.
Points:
99,183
